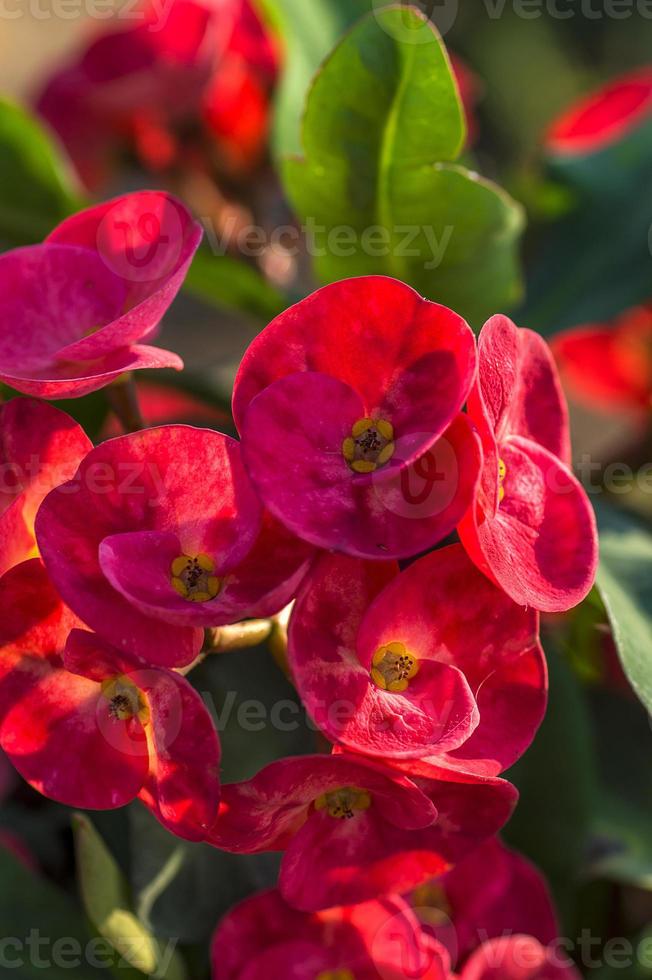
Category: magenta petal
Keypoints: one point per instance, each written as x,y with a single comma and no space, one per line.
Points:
52,295
265,812
541,546
520,387
379,337
147,239
495,891
351,861
404,507
173,479
330,656
518,958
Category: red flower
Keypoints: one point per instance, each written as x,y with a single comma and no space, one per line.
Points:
352,830
40,447
77,306
609,367
159,535
433,662
491,893
163,84
262,938
518,958
348,405
531,528
604,117
93,727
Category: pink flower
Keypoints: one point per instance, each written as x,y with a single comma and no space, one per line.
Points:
77,306
491,893
93,727
432,663
40,447
263,938
348,406
531,528
352,830
608,367
604,117
164,86
518,958
159,535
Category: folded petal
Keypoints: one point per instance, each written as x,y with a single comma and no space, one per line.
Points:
541,545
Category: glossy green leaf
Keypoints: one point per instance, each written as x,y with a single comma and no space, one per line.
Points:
378,187
105,895
308,32
230,284
36,187
625,584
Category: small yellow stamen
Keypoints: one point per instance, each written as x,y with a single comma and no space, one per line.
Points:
431,904
392,667
125,699
343,803
502,473
370,445
192,578
342,974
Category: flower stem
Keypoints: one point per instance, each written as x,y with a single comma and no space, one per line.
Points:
123,399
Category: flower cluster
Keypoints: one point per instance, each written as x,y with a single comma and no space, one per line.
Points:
491,918
172,86
372,426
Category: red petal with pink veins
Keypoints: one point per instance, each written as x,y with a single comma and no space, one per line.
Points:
163,482
54,726
406,357
146,241
541,546
462,630
292,447
520,388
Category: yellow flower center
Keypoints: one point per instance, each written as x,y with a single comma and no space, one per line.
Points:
431,904
193,578
335,975
125,699
392,667
342,803
370,445
502,473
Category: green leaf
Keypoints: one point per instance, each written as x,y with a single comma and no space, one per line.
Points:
378,188
622,847
182,889
228,283
309,31
42,926
36,188
105,894
625,584
557,780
